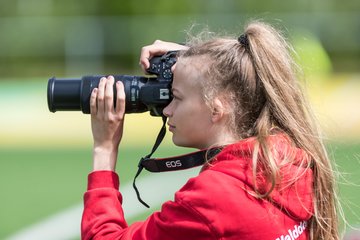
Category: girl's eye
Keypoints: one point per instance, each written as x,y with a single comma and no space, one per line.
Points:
173,96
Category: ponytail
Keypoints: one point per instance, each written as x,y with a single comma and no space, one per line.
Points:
287,109
257,75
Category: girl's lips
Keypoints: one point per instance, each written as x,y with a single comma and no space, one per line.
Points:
171,127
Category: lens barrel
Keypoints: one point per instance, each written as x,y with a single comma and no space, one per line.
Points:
74,94
64,94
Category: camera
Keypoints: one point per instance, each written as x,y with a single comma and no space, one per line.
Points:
142,93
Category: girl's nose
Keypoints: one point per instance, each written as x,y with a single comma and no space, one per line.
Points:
166,111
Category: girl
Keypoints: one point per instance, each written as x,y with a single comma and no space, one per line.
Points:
272,179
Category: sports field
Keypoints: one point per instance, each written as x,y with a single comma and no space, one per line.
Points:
45,158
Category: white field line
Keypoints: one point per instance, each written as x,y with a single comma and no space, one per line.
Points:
154,189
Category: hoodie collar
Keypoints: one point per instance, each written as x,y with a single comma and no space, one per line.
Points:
293,192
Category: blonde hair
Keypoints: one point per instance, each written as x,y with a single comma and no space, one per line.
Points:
259,77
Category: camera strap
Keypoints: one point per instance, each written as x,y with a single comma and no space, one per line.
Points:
175,163
159,139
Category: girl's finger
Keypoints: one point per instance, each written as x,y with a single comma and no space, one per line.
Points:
100,96
147,53
120,99
93,107
109,94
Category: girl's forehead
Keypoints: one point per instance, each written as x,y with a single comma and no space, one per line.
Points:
197,63
190,69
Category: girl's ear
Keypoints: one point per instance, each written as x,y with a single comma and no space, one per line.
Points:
218,110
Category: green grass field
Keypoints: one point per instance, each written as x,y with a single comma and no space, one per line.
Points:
38,183
45,157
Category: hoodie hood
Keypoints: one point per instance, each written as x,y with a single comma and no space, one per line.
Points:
293,189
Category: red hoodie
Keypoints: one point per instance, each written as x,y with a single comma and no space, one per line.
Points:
217,204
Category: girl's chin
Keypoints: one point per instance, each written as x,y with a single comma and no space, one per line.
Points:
182,143
178,142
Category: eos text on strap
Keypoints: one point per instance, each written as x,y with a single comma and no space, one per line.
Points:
172,163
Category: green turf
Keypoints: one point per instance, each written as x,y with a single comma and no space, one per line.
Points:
347,158
38,183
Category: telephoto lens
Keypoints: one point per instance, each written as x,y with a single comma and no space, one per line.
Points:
74,94
141,93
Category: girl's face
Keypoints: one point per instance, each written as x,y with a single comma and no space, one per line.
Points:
190,118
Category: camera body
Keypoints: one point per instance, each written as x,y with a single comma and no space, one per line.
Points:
142,93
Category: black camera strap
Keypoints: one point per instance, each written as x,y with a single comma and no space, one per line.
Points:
181,162
175,163
159,139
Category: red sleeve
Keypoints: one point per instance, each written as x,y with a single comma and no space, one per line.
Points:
103,216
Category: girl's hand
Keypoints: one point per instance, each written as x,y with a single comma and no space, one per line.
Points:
157,48
107,122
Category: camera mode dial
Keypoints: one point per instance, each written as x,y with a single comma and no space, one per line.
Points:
161,66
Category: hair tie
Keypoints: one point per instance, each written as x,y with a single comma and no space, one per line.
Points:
243,39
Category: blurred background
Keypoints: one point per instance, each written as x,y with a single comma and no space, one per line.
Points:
45,157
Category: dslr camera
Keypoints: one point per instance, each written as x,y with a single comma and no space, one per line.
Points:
142,93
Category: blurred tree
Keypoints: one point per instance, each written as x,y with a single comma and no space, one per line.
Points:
66,37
